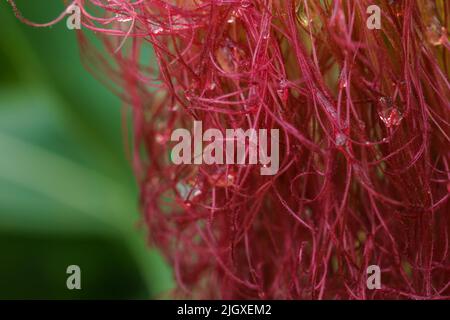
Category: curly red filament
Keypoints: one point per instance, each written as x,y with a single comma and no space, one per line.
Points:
364,141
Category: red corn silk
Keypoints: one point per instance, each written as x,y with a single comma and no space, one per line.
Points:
364,141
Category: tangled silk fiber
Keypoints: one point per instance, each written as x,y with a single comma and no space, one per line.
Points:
363,115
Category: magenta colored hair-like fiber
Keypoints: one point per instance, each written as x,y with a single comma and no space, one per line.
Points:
364,121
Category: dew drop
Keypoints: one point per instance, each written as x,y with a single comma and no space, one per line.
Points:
304,20
389,113
122,18
283,83
212,86
154,27
343,80
235,14
435,34
341,139
283,94
189,94
246,3
327,104
179,23
222,179
282,90
391,117
231,19
187,191
161,139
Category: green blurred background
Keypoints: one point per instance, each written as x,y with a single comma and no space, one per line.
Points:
67,194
